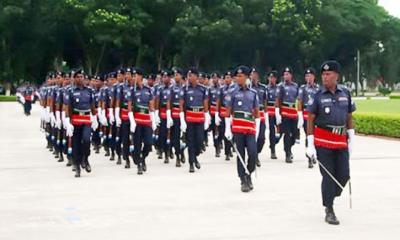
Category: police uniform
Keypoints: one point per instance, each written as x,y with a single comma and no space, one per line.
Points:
243,103
332,139
225,92
123,96
176,96
261,90
287,94
306,92
144,119
80,103
165,115
116,133
214,95
28,96
194,98
273,127
97,135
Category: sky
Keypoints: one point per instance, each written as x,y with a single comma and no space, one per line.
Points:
392,6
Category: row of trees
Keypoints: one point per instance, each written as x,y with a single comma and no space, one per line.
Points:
40,35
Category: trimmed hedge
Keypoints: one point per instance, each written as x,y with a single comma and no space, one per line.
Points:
395,97
4,98
377,124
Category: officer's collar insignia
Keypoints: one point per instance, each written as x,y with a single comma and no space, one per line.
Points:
326,67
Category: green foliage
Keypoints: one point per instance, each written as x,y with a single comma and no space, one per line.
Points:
100,35
384,90
4,98
377,124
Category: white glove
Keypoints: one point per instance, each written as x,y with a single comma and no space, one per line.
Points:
300,120
351,135
157,117
207,121
47,115
102,119
311,152
217,119
69,128
228,130
95,123
111,115
153,121
22,99
58,119
117,118
183,122
43,114
278,116
52,119
132,122
170,122
63,120
266,120
257,127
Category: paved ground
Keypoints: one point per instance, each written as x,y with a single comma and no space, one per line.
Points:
40,198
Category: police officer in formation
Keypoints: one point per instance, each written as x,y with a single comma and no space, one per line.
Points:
127,115
331,133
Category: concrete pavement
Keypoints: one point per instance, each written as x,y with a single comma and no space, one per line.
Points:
40,198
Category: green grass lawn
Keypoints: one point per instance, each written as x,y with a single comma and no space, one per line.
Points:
378,106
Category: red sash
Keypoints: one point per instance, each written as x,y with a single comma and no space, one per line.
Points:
262,115
288,112
213,110
78,119
223,112
124,114
142,119
327,139
195,117
163,113
175,112
305,114
271,111
243,126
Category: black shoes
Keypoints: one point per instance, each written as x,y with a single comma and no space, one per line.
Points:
330,216
178,161
249,182
288,158
244,185
140,169
127,164
191,168
197,164
310,163
273,155
227,158
112,158
258,163
77,171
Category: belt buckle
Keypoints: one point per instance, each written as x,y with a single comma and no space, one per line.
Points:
81,114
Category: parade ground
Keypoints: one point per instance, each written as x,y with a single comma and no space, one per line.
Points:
40,198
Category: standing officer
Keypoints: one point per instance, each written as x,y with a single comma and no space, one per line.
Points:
177,91
270,119
80,117
331,134
215,102
261,90
228,88
194,116
27,99
306,92
141,112
245,123
163,107
123,96
286,105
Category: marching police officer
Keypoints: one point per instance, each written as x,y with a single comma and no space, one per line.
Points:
141,114
194,116
215,101
270,119
177,91
261,90
123,122
80,118
331,135
27,99
306,92
228,88
164,114
244,108
285,111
